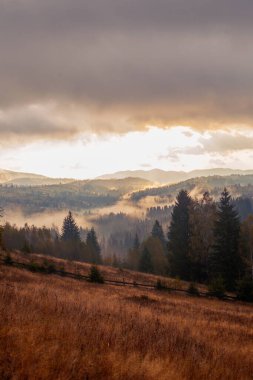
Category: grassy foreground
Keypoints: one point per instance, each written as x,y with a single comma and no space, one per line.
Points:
58,328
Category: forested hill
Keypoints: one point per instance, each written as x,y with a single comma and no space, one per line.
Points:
76,195
99,193
8,177
167,177
239,185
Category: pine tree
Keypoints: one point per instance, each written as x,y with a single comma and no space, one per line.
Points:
246,246
179,237
157,256
1,228
202,218
145,263
93,247
157,232
225,260
70,231
133,255
95,275
136,244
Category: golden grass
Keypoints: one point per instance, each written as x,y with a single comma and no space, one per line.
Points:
108,272
58,328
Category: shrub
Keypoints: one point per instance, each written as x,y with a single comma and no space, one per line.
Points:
62,270
34,267
159,285
8,260
193,290
95,275
49,267
217,288
245,290
176,283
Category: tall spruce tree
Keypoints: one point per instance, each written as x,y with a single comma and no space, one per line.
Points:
136,244
157,232
70,231
246,246
93,247
133,255
202,219
1,228
225,260
145,263
179,237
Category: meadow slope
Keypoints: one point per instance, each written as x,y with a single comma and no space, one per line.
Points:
59,328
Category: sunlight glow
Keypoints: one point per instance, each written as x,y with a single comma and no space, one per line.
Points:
88,156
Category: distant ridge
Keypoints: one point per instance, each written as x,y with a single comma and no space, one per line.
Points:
9,177
155,176
168,177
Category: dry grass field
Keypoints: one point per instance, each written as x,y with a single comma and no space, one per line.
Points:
108,272
53,327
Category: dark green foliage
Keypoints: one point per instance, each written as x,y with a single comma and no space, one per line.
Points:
26,247
145,263
245,290
202,219
35,267
217,288
49,267
193,290
93,247
157,232
178,236
70,231
246,246
44,241
225,261
136,244
95,275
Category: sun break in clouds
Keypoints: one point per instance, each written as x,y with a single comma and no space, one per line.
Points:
74,71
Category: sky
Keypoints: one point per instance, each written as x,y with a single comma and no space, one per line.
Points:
93,87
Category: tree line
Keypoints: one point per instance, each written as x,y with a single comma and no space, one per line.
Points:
206,242
71,242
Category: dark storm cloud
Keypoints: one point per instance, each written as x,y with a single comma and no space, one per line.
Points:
123,63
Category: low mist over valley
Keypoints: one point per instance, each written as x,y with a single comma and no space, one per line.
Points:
116,207
126,190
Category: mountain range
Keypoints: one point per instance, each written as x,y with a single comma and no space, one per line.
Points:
154,176
9,177
33,193
163,177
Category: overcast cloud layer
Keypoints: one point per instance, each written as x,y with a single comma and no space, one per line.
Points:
112,66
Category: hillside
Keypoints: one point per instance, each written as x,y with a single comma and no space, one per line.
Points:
77,195
57,327
101,193
8,177
238,185
168,177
